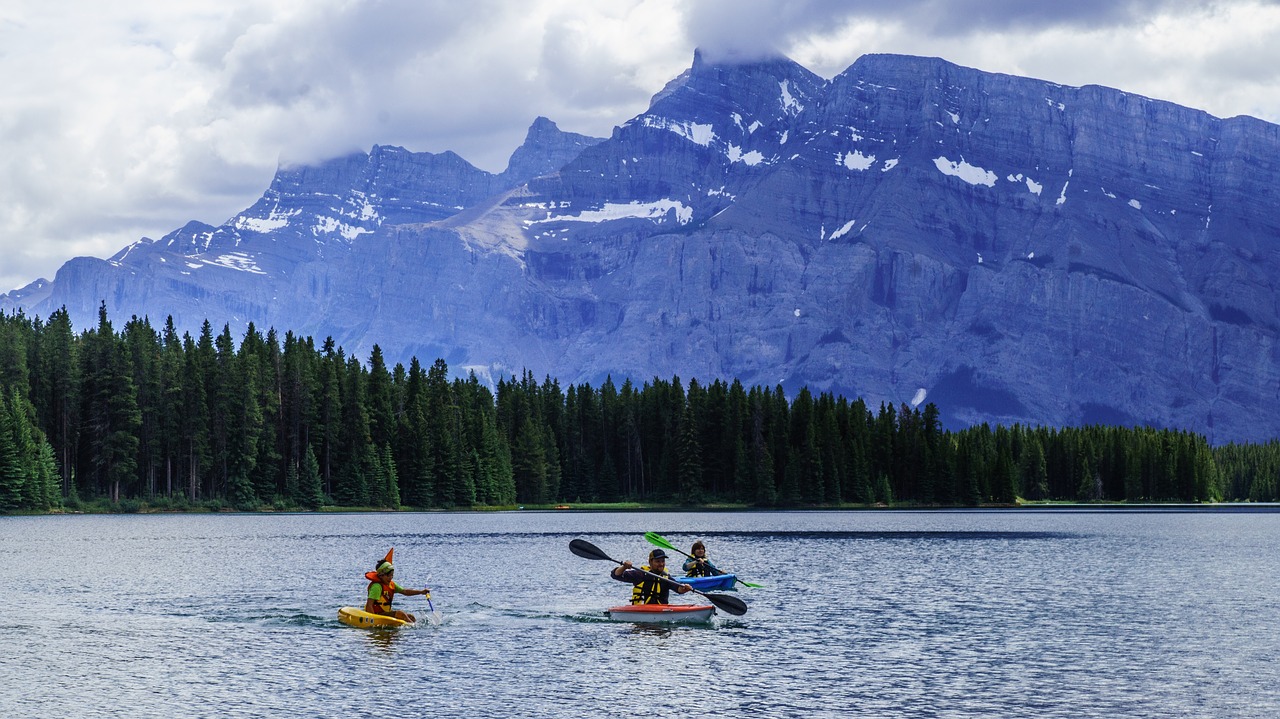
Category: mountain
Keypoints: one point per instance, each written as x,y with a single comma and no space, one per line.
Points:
909,231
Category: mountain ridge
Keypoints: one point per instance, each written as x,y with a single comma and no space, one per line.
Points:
909,231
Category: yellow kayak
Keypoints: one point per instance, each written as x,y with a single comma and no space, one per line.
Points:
365,620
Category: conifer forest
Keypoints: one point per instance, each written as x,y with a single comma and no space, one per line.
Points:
143,417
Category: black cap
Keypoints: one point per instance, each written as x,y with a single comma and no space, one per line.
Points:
657,554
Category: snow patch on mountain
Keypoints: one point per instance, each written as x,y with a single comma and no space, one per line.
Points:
277,220
971,174
656,211
1032,186
790,104
844,229
365,211
855,160
237,261
701,134
735,154
330,225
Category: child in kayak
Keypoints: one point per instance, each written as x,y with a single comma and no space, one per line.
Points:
697,565
646,588
382,589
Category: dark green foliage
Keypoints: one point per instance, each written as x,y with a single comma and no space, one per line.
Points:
689,459
147,418
310,493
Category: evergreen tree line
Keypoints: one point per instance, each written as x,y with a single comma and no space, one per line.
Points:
143,415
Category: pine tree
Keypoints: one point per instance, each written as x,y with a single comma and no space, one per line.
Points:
442,445
762,462
46,475
111,412
310,488
59,366
1031,470
529,465
13,471
375,475
351,486
689,459
392,491
495,463
382,423
329,411
1004,483
196,442
27,445
142,344
413,458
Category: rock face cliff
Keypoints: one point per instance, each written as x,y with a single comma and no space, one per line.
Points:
910,231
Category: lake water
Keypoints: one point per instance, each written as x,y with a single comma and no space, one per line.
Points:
869,614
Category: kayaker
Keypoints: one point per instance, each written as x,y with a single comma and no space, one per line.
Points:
382,589
697,565
646,588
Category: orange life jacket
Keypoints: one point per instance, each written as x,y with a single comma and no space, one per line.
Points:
388,590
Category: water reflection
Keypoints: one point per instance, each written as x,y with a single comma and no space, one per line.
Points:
650,630
382,640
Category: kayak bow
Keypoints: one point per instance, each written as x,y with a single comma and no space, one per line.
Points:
364,620
707,584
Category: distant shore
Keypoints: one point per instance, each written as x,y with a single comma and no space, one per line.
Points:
135,507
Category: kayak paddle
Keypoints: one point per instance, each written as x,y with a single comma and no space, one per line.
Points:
657,540
435,616
436,619
587,550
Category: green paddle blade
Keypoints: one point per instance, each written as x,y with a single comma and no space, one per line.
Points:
659,541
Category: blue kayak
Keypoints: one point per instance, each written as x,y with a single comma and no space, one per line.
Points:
707,584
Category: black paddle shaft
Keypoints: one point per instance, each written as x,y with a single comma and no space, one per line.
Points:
587,550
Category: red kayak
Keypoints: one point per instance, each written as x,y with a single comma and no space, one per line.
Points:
684,613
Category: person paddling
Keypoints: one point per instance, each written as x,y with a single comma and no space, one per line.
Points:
382,590
697,565
646,588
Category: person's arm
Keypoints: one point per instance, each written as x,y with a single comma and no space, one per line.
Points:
625,573
689,564
409,592
371,604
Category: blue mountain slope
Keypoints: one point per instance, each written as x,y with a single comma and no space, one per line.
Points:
912,230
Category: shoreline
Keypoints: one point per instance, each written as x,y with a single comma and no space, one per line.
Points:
1099,507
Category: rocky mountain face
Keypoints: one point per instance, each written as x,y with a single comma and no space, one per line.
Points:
910,231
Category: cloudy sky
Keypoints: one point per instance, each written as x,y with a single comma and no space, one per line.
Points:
124,120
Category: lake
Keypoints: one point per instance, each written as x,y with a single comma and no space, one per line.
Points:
878,614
